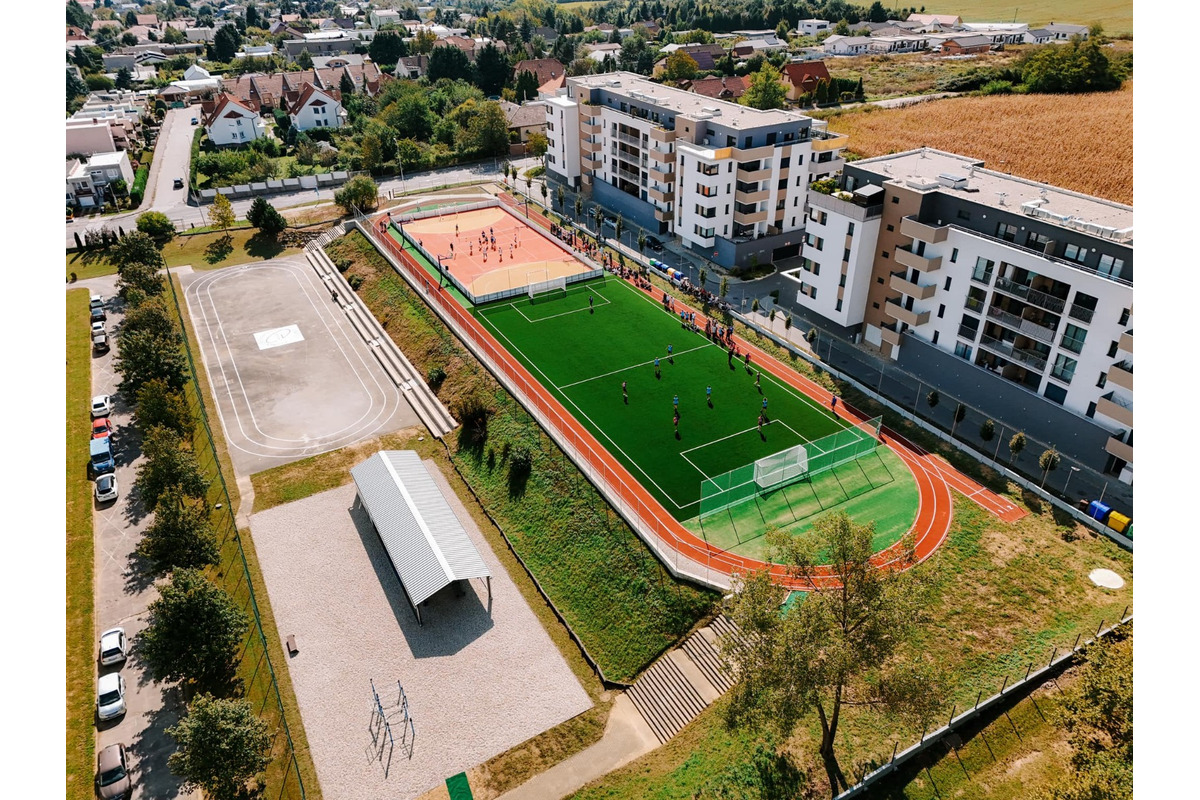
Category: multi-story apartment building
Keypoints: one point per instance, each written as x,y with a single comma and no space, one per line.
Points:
728,180
1029,282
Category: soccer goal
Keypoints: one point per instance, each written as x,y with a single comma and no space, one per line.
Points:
553,287
781,467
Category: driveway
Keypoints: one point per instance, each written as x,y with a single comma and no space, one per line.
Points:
121,595
172,156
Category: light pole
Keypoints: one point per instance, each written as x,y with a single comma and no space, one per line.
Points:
1068,482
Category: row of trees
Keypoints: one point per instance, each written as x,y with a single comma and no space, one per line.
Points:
196,629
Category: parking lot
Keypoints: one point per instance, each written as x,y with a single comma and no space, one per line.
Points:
291,376
121,593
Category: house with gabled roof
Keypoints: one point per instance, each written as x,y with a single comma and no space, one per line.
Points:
315,108
801,77
730,88
229,121
542,68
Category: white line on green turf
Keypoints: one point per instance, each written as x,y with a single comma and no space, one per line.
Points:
516,307
739,433
635,366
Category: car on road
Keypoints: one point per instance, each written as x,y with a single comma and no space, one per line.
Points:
654,244
96,301
106,487
195,121
97,327
100,342
114,647
112,773
98,315
102,428
179,183
110,696
100,457
102,406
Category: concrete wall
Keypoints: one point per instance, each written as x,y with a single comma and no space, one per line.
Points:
616,201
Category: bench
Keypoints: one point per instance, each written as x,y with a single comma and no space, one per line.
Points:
291,645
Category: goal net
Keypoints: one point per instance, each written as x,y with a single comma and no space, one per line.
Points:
781,467
542,288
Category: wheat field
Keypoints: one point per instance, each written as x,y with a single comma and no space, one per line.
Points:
1079,142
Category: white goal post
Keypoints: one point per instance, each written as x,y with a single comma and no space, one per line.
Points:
781,467
541,287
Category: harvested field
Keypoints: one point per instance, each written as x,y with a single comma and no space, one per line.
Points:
1079,142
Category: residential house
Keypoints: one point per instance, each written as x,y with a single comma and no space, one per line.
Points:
899,40
195,72
229,122
85,137
118,61
966,45
801,78
1064,32
87,181
598,52
651,28
838,45
256,51
471,46
705,56
524,119
383,16
946,21
148,20
549,35
1039,36
412,67
344,60
998,32
280,27
762,44
315,108
324,43
813,27
543,69
718,88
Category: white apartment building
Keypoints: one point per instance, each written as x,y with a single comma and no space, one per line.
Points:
812,27
729,180
1030,283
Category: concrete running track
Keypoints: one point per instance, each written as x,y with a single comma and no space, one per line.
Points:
934,477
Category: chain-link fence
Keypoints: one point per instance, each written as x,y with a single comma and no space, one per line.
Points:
261,687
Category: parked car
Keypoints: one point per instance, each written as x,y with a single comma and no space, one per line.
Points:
98,315
101,406
100,342
106,486
112,773
654,244
114,648
110,696
97,327
100,458
195,121
179,183
97,301
101,428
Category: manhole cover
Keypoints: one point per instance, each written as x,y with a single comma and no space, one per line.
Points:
1106,578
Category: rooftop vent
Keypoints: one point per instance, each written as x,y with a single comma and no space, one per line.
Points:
952,181
921,184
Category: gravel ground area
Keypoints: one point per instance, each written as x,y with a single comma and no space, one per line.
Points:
481,676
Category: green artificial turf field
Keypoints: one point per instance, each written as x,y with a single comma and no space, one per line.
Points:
582,353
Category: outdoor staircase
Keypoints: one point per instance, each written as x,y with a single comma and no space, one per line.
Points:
684,682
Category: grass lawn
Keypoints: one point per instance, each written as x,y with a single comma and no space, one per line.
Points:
229,574
614,594
80,562
201,251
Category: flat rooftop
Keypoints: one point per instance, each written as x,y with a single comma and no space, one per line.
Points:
689,104
922,168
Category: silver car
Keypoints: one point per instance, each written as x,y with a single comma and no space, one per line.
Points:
106,488
114,647
110,696
112,773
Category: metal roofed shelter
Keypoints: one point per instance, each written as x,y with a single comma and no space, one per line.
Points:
423,538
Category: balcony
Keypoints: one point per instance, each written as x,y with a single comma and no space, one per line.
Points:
590,146
1126,341
913,318
629,174
1080,313
1116,408
660,134
629,139
665,156
591,161
664,195
926,233
1031,329
631,158
664,216
1030,358
740,218
890,334
828,140
761,173
756,196
974,304
905,257
1031,296
662,175
903,285
1121,375
820,167
1114,446
589,128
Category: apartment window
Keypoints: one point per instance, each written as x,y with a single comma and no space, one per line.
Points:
1064,368
962,350
1125,312
795,202
793,222
879,280
705,233
936,334
875,305
891,228
1072,338
964,214
842,282
983,270
799,181
707,169
837,306
895,199
1036,241
1074,252
846,254
814,241
1112,350
885,254
946,288
749,142
1102,381
1091,412
785,161
850,229
706,191
1006,232
975,299
941,311
969,327
818,216
813,293
953,256
1055,394
1111,266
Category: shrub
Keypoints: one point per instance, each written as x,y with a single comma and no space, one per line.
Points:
435,377
355,281
139,185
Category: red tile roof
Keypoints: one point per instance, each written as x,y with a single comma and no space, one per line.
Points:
730,88
805,74
543,68
227,106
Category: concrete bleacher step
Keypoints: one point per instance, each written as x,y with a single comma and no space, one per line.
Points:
666,699
705,653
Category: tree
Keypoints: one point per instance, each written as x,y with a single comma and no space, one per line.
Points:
174,36
560,195
526,87
346,84
765,90
76,88
423,42
987,430
359,194
169,463
157,226
129,39
138,282
837,647
723,289
124,78
492,68
545,191
782,30
304,61
221,214
960,414
641,243
679,66
787,322
578,207
153,317
487,132
221,745
253,18
194,634
226,41
180,537
387,48
157,406
537,144
1074,67
1015,445
447,61
1047,463
703,276
77,17
877,13
143,356
99,83
859,95
620,227
130,19
266,217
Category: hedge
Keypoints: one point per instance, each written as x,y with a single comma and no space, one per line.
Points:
139,186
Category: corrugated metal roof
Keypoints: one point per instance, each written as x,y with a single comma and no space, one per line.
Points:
424,540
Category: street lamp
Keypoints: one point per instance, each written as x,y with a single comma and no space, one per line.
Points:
1068,481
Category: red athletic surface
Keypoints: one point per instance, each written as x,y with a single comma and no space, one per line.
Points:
935,478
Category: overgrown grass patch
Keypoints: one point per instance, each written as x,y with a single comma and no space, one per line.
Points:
79,551
616,596
201,251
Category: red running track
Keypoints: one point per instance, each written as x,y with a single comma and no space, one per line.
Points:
933,476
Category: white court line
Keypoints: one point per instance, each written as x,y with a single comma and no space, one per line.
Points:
634,366
517,307
739,433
